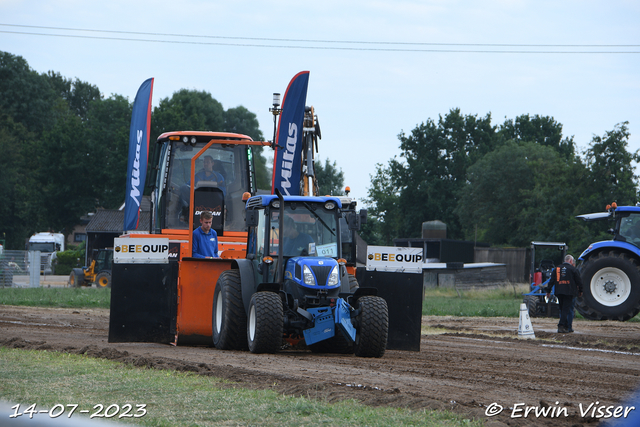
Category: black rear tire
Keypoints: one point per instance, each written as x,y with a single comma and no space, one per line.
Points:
532,305
373,327
76,278
265,323
611,282
228,320
353,283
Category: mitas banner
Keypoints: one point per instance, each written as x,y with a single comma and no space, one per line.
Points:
138,154
287,161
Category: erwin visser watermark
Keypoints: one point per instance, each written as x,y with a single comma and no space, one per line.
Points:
589,410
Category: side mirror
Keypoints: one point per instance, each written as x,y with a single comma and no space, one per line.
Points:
363,216
353,220
252,217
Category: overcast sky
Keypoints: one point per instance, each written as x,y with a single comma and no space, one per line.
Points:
377,68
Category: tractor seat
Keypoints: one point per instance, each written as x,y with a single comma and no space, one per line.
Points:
547,264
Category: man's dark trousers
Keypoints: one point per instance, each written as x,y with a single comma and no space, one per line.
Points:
565,303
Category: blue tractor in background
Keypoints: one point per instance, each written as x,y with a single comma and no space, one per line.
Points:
294,285
611,269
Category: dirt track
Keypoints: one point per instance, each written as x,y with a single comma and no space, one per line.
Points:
465,364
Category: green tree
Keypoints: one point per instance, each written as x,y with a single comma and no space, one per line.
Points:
107,130
425,183
382,202
240,120
534,198
330,178
542,130
78,94
187,110
612,176
65,172
19,209
25,96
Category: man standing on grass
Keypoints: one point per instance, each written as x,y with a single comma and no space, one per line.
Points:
566,279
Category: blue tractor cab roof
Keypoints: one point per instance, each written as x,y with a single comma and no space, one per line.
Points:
608,214
264,200
628,209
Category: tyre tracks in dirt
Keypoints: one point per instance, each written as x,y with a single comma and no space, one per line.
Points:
466,365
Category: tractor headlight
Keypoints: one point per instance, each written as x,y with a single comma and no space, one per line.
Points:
307,276
334,278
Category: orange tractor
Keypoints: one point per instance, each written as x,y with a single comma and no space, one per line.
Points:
172,302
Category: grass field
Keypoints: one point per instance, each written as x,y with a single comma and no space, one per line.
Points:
57,380
503,302
56,297
439,301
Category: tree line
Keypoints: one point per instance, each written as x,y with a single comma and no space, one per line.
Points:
64,146
504,185
64,150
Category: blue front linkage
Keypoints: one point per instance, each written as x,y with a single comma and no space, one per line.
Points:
325,321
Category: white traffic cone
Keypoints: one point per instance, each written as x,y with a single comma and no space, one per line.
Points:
525,328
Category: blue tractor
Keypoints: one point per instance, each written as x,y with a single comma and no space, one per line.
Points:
294,286
610,269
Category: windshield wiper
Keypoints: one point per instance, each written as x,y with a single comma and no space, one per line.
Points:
320,219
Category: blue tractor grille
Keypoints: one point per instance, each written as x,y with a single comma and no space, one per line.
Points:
322,273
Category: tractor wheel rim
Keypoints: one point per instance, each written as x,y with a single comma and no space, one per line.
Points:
103,282
252,323
218,314
610,286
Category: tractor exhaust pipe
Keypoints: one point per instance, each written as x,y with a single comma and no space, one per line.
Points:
280,236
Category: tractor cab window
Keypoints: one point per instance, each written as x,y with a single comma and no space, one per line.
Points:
104,260
309,230
221,167
630,228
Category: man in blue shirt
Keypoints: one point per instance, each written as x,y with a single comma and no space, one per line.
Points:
296,243
206,174
209,174
205,239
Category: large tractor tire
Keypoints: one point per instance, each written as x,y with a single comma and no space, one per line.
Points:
229,320
531,301
76,278
103,279
353,283
373,327
265,323
611,282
